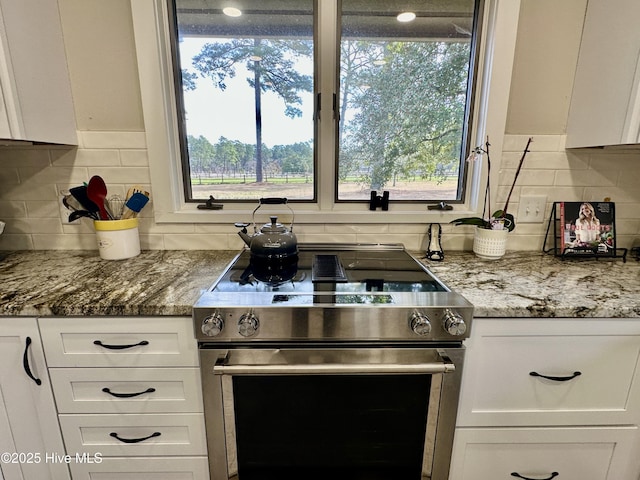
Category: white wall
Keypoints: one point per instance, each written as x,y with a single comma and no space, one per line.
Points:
112,144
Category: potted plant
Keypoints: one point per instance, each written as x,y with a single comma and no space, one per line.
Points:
491,232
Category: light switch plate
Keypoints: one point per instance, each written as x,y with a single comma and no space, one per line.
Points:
532,209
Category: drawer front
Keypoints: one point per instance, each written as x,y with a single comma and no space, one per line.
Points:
127,390
134,435
572,453
138,468
119,342
593,374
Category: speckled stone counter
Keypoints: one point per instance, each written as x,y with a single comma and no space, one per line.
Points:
157,282
532,284
522,284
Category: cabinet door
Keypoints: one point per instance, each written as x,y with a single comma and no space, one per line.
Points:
38,104
28,422
592,363
119,342
544,453
167,468
135,435
127,390
605,104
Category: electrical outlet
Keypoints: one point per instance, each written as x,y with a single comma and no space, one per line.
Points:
531,209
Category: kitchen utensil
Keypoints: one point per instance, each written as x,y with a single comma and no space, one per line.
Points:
71,203
97,192
116,202
76,214
80,194
134,205
135,189
274,241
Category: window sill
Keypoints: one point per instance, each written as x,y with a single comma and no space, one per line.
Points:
303,215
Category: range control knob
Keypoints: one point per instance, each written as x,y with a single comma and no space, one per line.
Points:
248,325
420,323
212,325
453,323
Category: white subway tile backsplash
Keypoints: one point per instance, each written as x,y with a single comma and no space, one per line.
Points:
33,178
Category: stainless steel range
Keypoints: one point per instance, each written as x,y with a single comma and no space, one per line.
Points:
340,362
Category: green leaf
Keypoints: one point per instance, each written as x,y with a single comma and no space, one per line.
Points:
480,222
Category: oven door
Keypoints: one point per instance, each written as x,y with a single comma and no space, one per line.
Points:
330,413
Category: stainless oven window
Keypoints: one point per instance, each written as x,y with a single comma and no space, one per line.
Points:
279,421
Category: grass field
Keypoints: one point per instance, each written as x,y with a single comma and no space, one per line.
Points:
298,188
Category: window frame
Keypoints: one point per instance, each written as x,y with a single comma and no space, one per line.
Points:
155,67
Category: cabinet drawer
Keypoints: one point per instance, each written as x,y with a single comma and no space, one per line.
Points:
595,369
134,435
128,390
595,453
119,342
136,468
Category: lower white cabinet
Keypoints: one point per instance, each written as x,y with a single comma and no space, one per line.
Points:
577,453
134,468
129,396
541,396
29,432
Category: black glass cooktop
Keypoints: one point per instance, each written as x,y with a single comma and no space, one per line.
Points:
366,273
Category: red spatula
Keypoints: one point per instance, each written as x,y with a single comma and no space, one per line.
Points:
97,192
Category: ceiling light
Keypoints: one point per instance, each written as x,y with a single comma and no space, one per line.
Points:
406,17
232,11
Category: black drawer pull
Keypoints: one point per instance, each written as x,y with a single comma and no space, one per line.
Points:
556,379
127,395
119,347
134,440
25,362
553,475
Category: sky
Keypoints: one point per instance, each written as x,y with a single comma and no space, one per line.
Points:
213,113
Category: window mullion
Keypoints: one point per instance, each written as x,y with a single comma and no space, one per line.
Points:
326,71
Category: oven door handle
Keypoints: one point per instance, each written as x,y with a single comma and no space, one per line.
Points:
222,368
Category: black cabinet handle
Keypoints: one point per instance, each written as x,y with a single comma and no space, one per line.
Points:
134,440
119,347
25,362
553,475
127,395
556,379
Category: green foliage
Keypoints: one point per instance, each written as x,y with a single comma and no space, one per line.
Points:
409,119
232,157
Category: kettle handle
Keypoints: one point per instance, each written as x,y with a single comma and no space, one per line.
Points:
272,201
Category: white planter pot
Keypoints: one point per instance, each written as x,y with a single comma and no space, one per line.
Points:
490,244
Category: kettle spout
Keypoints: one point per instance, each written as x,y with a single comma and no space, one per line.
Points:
246,238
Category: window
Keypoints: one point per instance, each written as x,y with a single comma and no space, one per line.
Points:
156,67
246,98
246,94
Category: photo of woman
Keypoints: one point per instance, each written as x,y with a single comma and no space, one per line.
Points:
587,227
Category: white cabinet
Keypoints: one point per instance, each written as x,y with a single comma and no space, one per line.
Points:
549,395
128,392
605,104
35,92
29,430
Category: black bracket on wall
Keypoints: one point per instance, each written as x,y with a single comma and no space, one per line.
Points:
379,201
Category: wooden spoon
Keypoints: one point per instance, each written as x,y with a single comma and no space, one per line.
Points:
97,192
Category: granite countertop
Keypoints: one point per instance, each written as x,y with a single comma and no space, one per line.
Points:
167,282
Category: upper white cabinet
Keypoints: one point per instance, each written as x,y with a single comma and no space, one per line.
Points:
605,105
35,93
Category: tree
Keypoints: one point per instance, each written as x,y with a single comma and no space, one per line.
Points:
201,154
272,63
410,117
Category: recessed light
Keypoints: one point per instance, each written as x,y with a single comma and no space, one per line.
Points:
232,11
406,17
